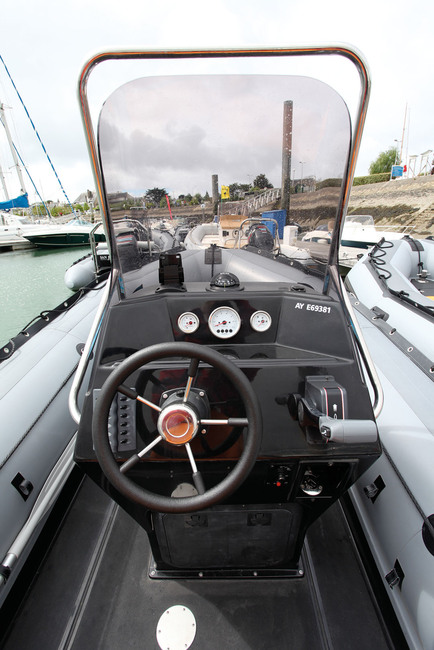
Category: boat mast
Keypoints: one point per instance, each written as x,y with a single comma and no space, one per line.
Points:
12,148
5,189
403,134
40,142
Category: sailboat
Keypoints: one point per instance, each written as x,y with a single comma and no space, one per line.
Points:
16,232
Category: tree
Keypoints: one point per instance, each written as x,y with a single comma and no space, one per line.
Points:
383,163
234,191
155,195
262,182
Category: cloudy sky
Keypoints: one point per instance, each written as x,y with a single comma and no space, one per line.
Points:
44,44
181,147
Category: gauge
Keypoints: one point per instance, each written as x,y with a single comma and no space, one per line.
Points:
224,322
188,322
260,321
225,280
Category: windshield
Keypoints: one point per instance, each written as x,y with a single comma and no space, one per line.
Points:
212,151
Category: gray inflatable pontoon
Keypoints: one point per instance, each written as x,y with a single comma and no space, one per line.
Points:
38,434
393,299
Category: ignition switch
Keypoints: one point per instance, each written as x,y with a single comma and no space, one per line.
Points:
278,476
310,484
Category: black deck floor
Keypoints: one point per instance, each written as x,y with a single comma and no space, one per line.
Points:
93,592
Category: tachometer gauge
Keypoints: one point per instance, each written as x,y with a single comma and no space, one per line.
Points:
188,322
260,321
224,322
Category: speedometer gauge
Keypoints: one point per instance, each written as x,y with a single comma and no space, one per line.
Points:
260,321
188,322
224,322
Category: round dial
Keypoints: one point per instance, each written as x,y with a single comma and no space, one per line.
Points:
224,322
260,321
225,280
188,322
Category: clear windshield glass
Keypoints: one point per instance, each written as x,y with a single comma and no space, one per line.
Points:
182,151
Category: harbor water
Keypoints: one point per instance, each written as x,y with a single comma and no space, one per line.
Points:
32,282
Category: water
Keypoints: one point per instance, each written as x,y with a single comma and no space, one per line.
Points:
31,282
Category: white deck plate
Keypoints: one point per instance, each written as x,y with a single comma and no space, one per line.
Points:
176,628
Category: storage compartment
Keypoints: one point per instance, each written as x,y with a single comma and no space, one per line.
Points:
238,536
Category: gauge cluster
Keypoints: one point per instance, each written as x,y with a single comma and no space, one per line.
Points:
224,322
231,316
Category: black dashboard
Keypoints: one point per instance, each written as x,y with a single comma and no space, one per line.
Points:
306,335
296,320
289,341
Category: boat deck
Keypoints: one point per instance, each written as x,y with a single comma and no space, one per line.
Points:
93,591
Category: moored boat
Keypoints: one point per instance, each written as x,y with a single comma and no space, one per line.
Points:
75,232
391,290
12,231
150,242
238,231
360,231
395,283
359,234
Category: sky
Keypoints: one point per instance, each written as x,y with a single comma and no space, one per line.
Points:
181,147
45,43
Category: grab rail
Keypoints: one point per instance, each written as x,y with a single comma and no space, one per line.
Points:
85,357
45,500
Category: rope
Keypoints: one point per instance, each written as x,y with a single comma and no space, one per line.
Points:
47,315
37,134
376,255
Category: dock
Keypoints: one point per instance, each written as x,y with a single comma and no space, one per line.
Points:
14,244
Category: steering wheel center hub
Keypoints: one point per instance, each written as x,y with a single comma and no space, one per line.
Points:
178,424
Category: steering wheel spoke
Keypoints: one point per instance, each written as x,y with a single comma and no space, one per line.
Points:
132,394
197,476
191,374
232,422
133,460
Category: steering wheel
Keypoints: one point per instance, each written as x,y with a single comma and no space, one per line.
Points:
179,420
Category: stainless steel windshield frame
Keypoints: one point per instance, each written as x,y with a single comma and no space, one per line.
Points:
337,50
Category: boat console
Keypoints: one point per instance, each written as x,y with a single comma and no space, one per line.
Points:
226,415
227,407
